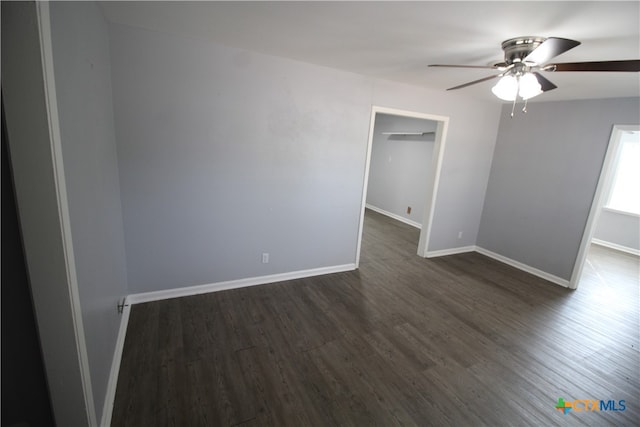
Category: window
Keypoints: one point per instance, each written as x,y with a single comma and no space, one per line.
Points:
624,195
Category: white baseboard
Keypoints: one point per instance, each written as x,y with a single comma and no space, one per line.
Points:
394,216
513,263
112,384
452,251
262,280
109,400
524,267
234,284
615,246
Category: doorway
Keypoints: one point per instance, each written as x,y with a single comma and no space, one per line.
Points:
618,135
25,395
419,127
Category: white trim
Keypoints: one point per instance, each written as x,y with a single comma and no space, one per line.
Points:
110,397
394,216
432,183
451,251
262,280
189,291
604,181
365,183
107,411
234,284
44,25
434,180
618,211
631,251
524,267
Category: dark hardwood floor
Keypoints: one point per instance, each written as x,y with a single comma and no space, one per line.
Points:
457,340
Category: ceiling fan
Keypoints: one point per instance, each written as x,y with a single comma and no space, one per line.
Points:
526,57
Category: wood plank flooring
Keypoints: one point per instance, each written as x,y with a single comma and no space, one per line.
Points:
457,340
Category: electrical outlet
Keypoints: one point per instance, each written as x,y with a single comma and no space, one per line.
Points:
265,258
409,209
459,234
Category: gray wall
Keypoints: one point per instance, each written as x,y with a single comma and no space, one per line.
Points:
400,166
543,178
224,154
618,228
39,210
83,85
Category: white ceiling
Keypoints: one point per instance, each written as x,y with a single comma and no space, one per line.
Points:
397,40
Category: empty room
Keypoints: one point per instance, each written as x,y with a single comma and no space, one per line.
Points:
320,213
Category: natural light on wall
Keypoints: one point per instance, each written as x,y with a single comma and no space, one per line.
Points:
624,195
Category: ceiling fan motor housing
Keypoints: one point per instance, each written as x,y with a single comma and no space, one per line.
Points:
525,56
516,49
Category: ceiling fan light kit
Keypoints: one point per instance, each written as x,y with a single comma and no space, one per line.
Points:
524,57
529,86
509,87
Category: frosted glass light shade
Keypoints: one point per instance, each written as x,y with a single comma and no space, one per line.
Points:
509,87
506,88
529,86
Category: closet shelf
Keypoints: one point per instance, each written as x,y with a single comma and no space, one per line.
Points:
408,133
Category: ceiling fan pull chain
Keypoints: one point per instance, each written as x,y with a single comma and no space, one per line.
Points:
524,109
514,106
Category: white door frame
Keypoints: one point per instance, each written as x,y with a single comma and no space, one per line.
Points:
44,26
433,180
604,182
35,149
